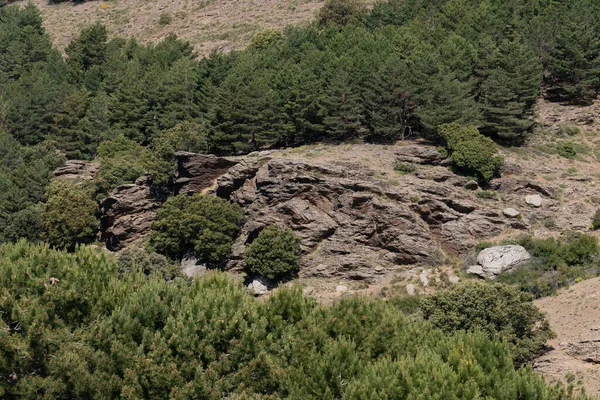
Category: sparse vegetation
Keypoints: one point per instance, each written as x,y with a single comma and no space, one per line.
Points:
404,167
566,149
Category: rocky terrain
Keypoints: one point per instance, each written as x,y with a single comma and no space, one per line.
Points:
366,228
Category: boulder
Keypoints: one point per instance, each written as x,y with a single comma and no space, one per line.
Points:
516,186
471,185
498,259
511,213
191,267
258,287
534,200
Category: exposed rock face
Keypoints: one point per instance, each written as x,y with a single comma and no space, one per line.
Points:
258,287
516,186
350,224
196,172
77,170
127,214
418,154
495,260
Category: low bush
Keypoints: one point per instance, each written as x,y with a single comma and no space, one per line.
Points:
69,215
555,263
596,220
274,253
566,149
495,309
470,151
134,259
404,167
206,224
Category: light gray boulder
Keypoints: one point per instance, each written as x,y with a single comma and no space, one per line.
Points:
498,259
511,212
191,267
534,200
258,287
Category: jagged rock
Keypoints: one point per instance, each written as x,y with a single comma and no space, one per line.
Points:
588,350
419,154
515,186
77,170
495,260
511,212
510,169
197,172
341,288
127,213
533,200
258,287
410,289
191,267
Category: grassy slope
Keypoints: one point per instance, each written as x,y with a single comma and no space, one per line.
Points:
208,24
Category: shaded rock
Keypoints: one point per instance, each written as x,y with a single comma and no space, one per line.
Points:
495,260
191,267
510,169
511,212
471,185
127,213
515,186
197,172
418,154
533,200
258,287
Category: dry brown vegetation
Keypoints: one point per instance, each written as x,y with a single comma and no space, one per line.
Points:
208,24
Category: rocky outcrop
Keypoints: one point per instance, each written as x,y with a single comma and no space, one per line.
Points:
418,154
77,170
127,213
517,186
498,259
197,172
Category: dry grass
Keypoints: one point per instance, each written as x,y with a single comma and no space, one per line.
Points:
209,25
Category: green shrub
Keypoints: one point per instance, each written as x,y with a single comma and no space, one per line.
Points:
139,259
404,167
566,149
274,252
495,309
341,12
596,220
568,130
121,162
69,215
471,152
206,224
555,264
486,194
265,38
165,19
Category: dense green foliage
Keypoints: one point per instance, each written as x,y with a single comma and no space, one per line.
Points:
69,215
556,263
495,309
273,253
71,329
404,67
470,151
206,224
138,259
24,174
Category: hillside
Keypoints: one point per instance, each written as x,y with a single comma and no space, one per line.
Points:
209,25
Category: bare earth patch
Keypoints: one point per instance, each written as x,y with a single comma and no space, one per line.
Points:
574,315
221,25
